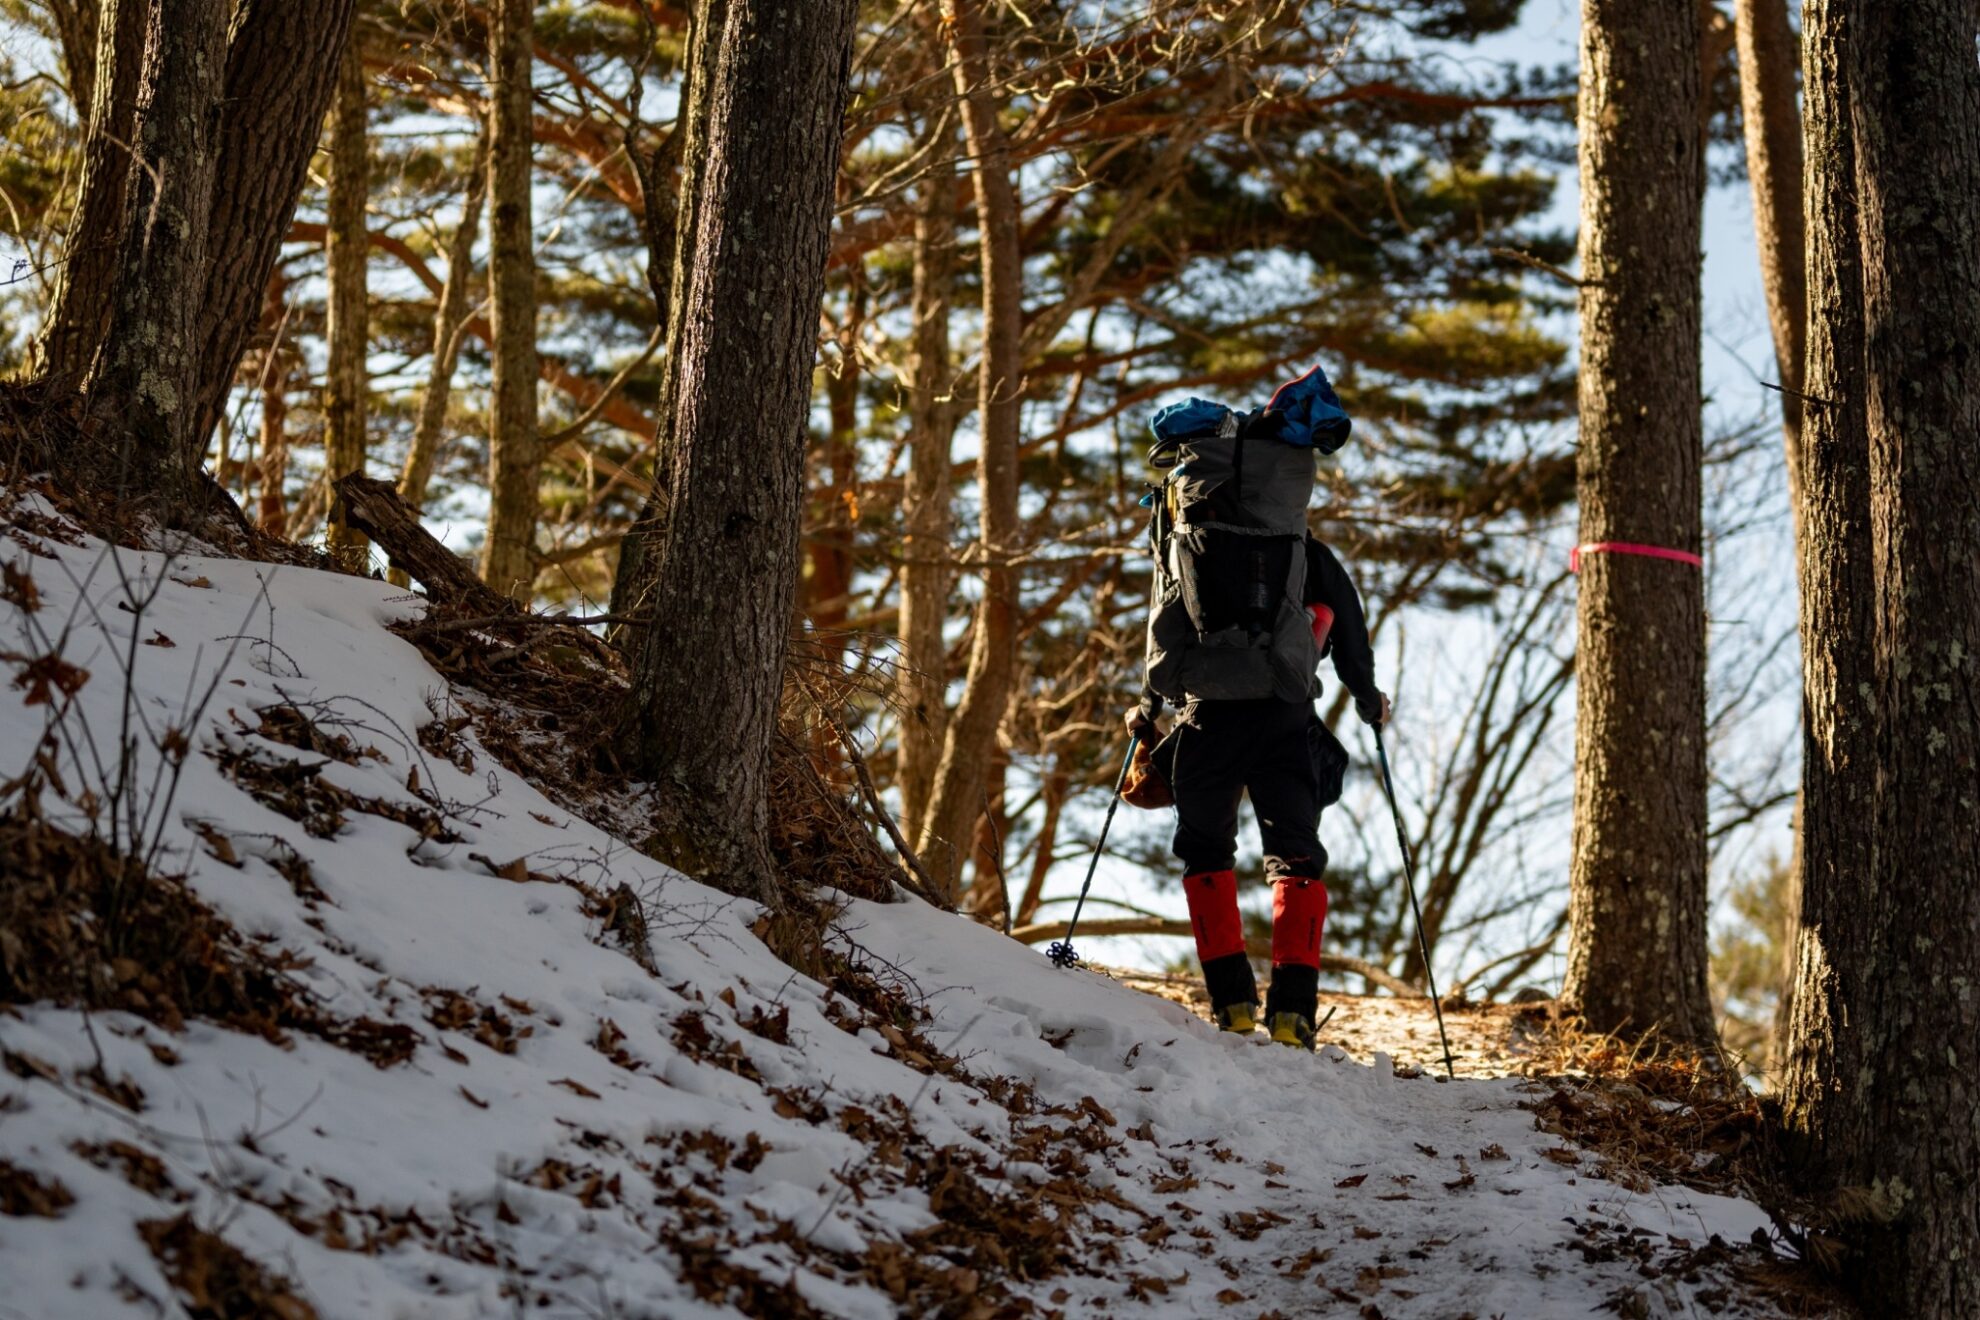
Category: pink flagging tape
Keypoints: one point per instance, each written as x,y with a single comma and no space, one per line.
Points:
1630,548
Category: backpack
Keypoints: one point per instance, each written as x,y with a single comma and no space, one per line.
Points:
1227,536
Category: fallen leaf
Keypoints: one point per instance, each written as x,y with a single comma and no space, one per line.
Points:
576,1088
1354,1181
159,639
474,1099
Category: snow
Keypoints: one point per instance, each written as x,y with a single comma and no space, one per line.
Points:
1217,1175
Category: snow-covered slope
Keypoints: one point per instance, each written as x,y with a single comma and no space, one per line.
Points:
573,1134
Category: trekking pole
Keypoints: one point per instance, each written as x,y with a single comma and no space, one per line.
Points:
1409,884
1061,951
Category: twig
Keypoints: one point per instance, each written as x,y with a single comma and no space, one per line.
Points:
925,889
1532,262
1782,389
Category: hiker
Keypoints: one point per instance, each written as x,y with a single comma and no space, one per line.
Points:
1246,602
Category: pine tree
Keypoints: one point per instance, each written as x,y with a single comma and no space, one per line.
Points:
1882,1051
347,252
709,665
515,459
1637,953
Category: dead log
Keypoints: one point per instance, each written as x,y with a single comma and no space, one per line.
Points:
374,508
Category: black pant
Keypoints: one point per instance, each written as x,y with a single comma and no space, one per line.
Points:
1275,750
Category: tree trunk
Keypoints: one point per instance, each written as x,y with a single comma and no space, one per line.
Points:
1637,951
708,672
831,539
515,458
1055,788
77,30
148,360
1838,590
272,465
1905,1121
1773,167
989,891
926,517
669,254
346,250
282,62
80,311
449,315
956,798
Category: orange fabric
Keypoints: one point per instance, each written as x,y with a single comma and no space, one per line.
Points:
1144,786
1299,915
1213,914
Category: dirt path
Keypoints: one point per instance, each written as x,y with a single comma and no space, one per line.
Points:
1487,1040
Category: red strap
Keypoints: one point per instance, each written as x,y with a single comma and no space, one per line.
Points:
1630,548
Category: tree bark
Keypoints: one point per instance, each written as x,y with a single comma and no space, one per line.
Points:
957,794
1899,985
346,250
669,255
1838,589
1773,167
708,673
449,316
1637,951
830,542
282,61
77,30
374,507
515,458
272,465
148,361
80,311
926,517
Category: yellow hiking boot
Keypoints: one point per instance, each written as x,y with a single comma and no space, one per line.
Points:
1241,1018
1292,1029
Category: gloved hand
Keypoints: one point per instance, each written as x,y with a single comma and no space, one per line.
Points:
1374,711
1140,722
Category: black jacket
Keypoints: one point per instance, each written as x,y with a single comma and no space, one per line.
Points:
1327,583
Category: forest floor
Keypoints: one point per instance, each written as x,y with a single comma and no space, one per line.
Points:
331,984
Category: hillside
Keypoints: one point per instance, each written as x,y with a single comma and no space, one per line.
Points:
315,1007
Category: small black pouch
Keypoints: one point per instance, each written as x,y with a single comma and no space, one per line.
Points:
1330,762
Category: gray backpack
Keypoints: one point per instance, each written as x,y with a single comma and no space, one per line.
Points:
1226,621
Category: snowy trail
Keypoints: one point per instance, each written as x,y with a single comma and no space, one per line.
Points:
575,1136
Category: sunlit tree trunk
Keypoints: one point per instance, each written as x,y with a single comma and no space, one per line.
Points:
926,517
347,331
449,316
1637,951
515,460
1884,1064
1767,83
831,539
1773,167
709,668
957,797
76,318
272,443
